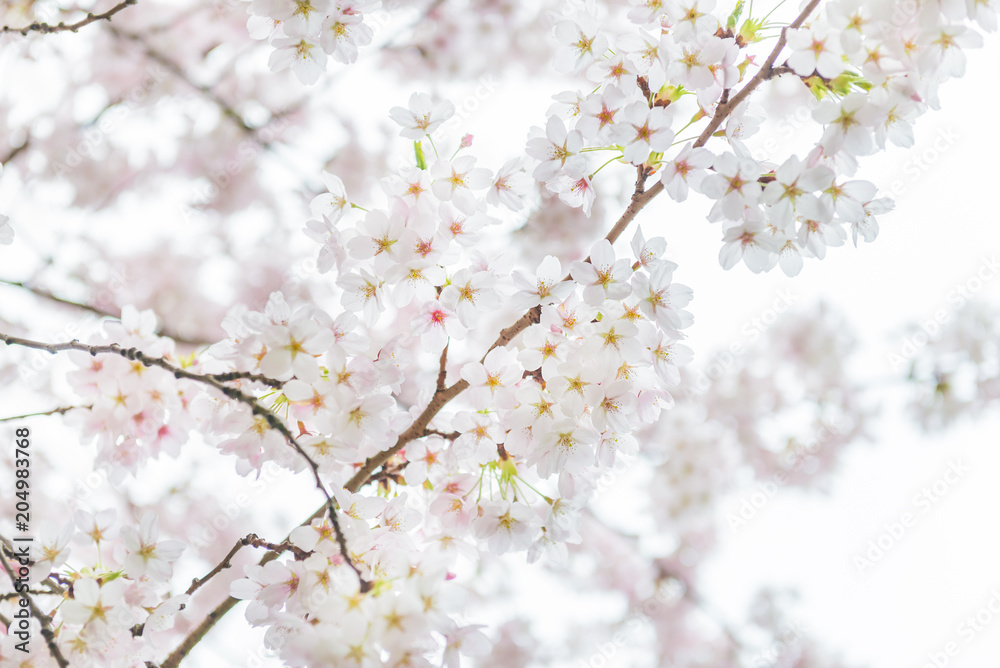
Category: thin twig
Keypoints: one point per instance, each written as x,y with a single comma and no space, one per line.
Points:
233,393
640,198
55,411
252,540
45,28
193,638
246,375
43,619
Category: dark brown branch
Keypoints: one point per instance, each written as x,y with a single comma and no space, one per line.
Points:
640,198
43,619
270,418
765,72
246,375
45,28
442,372
253,540
55,411
195,637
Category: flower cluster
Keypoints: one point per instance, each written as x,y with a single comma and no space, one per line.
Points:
305,33
109,583
870,71
135,412
514,456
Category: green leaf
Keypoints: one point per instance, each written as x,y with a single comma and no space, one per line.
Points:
735,16
418,150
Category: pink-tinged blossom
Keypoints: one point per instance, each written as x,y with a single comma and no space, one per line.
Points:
581,43
302,54
50,549
458,178
491,382
422,117
480,435
616,70
363,291
558,150
821,231
692,18
565,446
849,124
750,241
331,253
333,203
685,171
576,191
662,300
544,350
343,32
436,324
814,49
734,184
647,253
603,277
599,113
643,130
611,405
505,526
468,293
545,287
511,186
144,555
96,605
293,348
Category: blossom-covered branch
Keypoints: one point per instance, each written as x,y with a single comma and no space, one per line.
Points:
233,393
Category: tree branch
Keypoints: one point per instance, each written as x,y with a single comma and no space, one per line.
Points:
45,28
54,411
640,198
442,371
270,418
43,619
199,632
252,540
766,72
246,375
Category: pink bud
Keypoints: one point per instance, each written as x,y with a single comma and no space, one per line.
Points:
466,141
